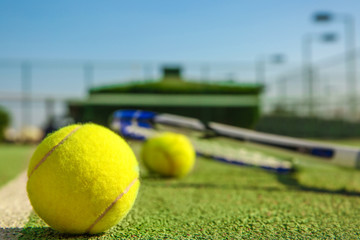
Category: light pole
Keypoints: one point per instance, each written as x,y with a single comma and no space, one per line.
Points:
88,76
308,69
350,50
261,68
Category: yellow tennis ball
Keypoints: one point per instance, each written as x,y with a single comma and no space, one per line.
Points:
169,154
83,179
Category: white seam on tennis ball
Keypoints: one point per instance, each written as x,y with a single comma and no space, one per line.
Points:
52,150
112,204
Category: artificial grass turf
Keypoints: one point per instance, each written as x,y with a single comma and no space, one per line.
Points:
13,159
220,201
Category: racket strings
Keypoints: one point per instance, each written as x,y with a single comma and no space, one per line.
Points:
237,154
212,148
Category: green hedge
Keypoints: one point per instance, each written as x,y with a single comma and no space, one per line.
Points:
237,116
306,127
4,122
243,116
180,87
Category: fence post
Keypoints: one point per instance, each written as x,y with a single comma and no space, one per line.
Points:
205,73
350,57
26,75
88,76
260,72
282,92
49,108
147,72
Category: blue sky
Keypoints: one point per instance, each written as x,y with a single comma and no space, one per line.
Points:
163,30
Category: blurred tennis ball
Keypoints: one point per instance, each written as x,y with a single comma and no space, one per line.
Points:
83,179
169,154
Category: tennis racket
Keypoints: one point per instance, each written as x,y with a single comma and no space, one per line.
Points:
331,153
140,125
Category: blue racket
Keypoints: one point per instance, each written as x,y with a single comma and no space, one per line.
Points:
140,125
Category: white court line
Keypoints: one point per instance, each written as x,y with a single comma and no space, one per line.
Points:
15,207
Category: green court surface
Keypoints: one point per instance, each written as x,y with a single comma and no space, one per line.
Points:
220,201
13,159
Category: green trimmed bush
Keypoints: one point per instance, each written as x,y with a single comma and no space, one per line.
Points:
238,116
242,116
179,87
308,127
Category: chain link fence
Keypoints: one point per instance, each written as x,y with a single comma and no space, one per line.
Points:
329,89
32,90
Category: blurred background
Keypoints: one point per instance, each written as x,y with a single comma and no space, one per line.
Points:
286,67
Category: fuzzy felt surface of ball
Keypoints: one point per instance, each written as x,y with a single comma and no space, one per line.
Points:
169,154
83,179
